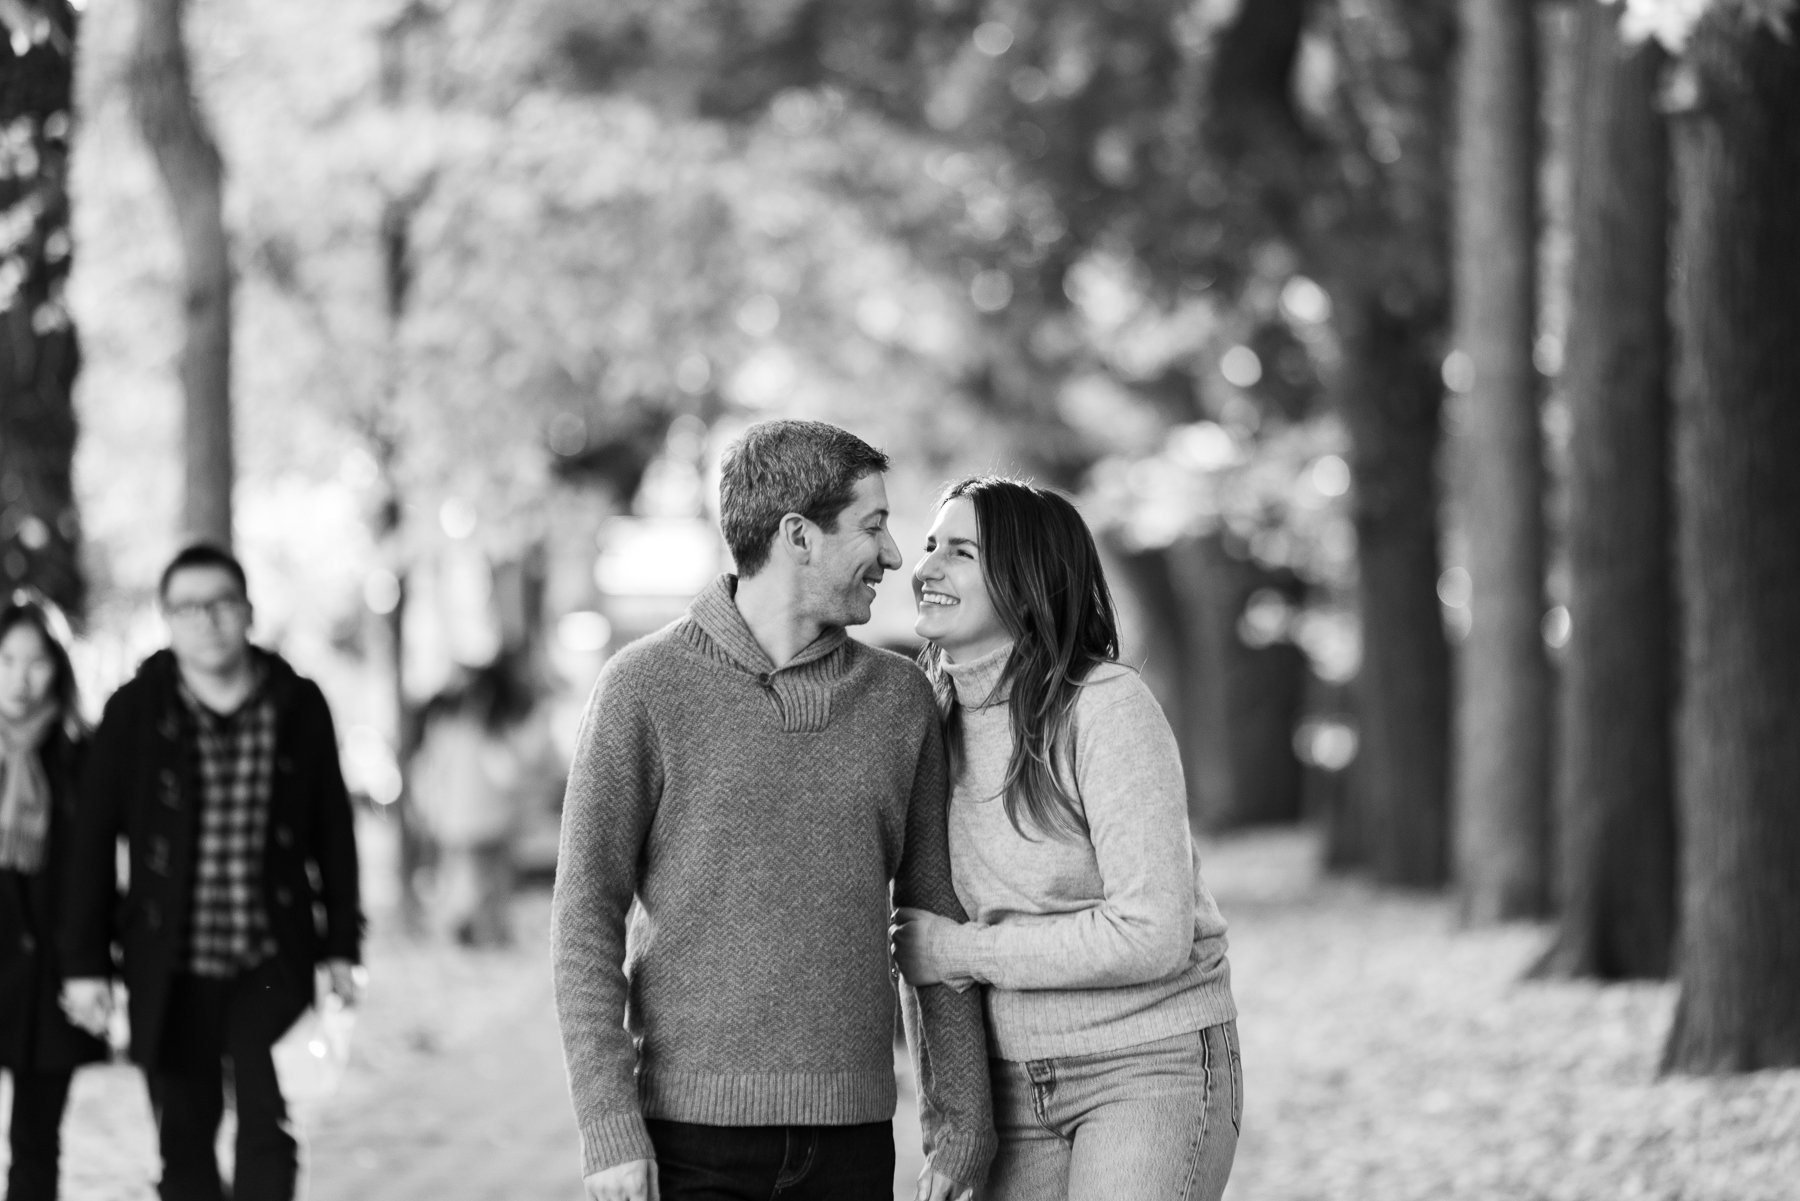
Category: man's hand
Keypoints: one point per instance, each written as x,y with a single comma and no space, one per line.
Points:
910,934
345,979
634,1181
933,1187
87,1003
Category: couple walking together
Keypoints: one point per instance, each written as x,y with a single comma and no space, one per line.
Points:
216,768
763,816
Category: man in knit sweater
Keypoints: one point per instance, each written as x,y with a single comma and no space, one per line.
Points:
748,785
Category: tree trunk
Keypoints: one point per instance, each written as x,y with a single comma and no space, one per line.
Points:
1248,696
162,97
39,352
1388,393
1377,236
1616,806
1502,785
1737,422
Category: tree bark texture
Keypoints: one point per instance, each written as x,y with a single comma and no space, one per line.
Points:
1502,766
1737,418
1388,393
39,351
168,113
1615,786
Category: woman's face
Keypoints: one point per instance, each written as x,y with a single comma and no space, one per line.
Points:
955,610
27,672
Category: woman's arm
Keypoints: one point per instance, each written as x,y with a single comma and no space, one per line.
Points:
1135,799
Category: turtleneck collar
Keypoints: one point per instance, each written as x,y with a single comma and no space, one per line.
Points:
977,682
716,612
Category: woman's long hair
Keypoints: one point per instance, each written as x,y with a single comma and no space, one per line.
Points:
27,608
1044,578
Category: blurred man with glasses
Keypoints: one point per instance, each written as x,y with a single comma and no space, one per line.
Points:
218,765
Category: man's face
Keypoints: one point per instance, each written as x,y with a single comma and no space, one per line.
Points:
838,585
209,618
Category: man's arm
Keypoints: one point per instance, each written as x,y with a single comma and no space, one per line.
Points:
89,891
944,1028
615,782
335,855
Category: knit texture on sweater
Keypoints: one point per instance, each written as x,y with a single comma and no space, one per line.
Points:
1088,944
749,820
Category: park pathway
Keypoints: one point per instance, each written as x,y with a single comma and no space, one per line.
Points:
488,1120
454,1091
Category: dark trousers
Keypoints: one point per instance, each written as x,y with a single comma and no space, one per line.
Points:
212,1022
37,1113
764,1163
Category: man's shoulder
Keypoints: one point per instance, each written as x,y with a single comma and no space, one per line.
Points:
148,688
647,662
892,672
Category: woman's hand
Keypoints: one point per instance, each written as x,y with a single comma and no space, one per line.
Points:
913,937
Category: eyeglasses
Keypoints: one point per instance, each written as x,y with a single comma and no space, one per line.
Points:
222,609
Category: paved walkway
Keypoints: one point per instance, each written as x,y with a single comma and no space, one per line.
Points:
454,1092
487,1120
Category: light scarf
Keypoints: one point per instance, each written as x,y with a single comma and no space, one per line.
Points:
24,791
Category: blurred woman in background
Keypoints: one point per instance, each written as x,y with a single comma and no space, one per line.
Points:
41,738
1111,1025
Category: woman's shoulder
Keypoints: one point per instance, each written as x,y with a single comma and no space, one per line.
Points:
1109,682
1113,691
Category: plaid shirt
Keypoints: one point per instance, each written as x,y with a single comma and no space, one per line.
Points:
228,930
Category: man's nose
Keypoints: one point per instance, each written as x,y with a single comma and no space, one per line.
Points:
890,552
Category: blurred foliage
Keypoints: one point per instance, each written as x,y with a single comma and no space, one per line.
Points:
1671,22
492,249
40,531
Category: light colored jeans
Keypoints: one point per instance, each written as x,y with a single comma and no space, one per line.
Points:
1154,1122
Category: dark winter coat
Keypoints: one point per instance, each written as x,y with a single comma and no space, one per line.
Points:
34,1036
141,783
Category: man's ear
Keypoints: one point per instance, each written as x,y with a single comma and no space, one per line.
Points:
794,537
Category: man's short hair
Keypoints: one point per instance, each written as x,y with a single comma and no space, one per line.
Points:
203,554
782,467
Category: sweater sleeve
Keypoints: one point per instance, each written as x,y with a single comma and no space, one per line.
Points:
615,782
944,1027
1128,771
335,851
90,887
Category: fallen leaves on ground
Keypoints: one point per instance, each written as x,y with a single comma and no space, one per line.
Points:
1391,1056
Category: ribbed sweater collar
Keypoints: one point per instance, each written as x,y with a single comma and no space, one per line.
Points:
977,682
715,611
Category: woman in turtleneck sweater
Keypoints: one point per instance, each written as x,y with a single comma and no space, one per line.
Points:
1115,1065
